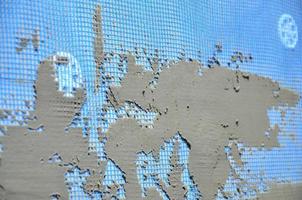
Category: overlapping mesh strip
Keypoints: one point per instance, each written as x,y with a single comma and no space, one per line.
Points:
169,31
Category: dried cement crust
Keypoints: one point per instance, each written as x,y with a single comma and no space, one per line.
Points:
207,110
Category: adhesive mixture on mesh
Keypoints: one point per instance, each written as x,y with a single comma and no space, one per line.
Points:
170,129
196,117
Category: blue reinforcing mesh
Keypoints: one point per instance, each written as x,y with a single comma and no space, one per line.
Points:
169,31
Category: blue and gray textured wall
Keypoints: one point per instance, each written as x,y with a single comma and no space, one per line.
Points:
150,100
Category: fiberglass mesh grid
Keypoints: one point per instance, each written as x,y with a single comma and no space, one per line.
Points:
190,28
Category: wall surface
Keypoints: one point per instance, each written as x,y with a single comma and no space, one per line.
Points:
150,99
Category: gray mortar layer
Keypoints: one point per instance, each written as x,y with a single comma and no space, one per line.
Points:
204,109
25,172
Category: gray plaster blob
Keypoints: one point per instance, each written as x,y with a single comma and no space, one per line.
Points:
204,109
25,172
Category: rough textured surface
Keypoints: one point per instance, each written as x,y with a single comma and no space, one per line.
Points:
125,138
24,41
236,154
283,192
25,172
175,190
98,44
207,110
152,194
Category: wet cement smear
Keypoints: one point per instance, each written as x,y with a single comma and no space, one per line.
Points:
208,110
